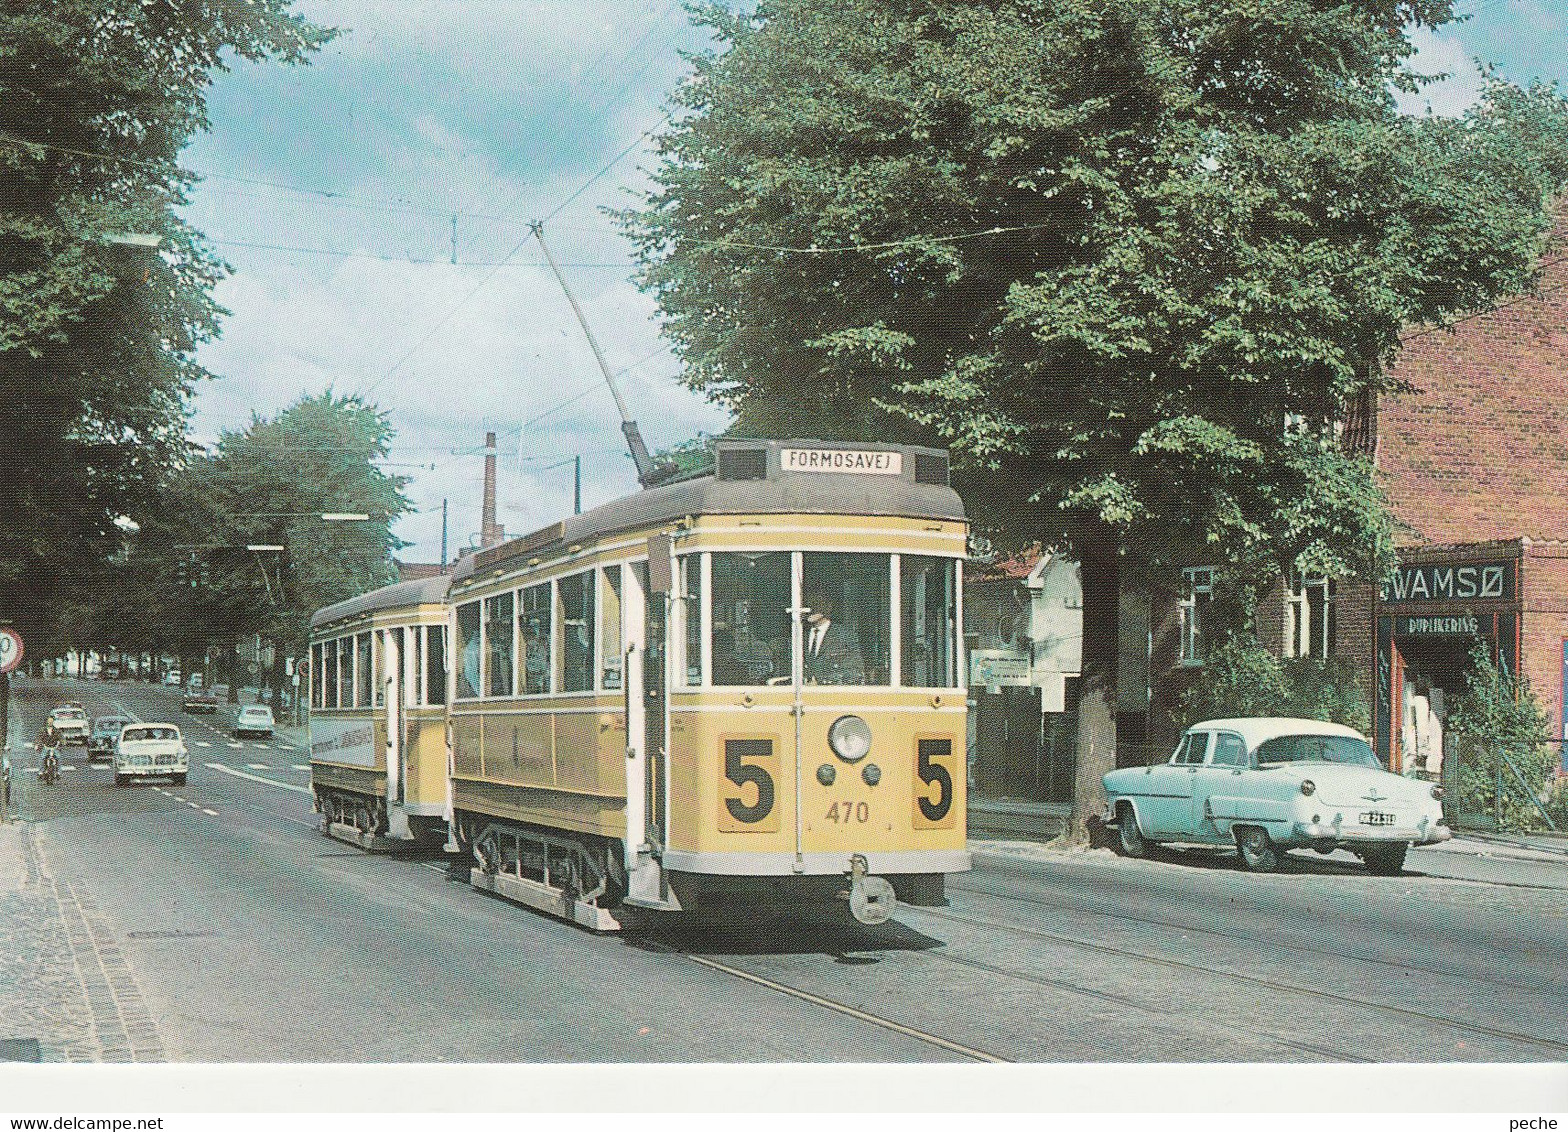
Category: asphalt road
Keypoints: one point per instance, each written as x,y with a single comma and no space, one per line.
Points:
251,937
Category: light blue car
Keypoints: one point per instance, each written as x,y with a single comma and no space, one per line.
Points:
1268,785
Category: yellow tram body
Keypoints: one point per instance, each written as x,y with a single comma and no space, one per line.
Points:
378,748
641,697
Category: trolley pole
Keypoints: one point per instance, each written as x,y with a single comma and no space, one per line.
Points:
577,485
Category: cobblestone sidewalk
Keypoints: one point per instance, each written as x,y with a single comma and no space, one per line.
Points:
63,979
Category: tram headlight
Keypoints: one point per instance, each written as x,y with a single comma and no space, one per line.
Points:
850,738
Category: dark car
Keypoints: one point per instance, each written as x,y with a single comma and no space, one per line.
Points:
106,729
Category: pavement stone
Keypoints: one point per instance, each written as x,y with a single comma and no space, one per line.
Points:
63,978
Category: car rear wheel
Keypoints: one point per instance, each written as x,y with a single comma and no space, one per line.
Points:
1130,840
179,779
1385,860
119,780
1258,853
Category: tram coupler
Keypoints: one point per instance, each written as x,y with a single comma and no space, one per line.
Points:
871,899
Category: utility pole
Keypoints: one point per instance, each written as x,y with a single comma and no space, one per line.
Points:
577,485
443,536
647,472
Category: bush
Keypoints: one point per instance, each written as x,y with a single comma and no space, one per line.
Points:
1242,678
1496,715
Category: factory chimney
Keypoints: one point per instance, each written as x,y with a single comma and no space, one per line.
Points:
490,533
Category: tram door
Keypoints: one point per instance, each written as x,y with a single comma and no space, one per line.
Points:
646,686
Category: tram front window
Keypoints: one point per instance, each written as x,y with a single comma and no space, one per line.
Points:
751,618
845,637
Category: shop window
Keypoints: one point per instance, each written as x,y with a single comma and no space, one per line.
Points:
1196,603
468,651
928,592
533,631
1309,618
751,637
576,598
848,624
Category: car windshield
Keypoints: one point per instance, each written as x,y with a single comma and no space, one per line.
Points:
108,726
139,734
257,712
1317,749
70,713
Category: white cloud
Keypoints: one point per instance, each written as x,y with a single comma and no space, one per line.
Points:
1441,53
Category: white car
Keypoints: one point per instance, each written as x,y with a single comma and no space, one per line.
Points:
171,678
1268,785
150,750
254,719
72,723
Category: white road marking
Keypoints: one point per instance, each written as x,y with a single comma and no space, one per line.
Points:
177,798
235,745
301,766
258,766
193,805
286,747
203,743
210,813
261,746
258,778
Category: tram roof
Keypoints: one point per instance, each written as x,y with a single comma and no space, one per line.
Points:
778,492
420,591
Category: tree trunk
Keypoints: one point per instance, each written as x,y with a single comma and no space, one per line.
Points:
1100,569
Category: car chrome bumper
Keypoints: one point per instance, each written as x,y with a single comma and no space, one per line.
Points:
1309,832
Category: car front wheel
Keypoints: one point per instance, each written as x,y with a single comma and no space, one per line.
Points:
1258,853
1130,838
1385,860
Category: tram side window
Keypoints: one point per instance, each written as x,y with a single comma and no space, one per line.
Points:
382,658
610,631
751,618
316,682
577,664
435,664
364,680
533,633
345,647
846,634
329,674
928,593
498,638
395,668
688,613
468,651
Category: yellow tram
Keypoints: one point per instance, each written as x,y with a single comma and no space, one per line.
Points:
742,688
378,750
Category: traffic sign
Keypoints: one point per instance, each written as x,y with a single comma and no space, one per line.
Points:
10,649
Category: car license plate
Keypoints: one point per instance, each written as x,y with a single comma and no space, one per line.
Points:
1377,817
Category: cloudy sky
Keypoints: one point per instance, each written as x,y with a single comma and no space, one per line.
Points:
331,190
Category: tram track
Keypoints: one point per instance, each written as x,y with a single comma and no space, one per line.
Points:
1244,937
936,1040
1275,985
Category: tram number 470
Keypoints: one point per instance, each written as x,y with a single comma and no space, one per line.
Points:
845,813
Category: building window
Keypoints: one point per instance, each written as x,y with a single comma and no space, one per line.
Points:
1197,597
1309,618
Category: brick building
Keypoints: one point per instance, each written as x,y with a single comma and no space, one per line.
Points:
1474,460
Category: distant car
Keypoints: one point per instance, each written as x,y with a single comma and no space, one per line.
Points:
171,679
106,729
254,719
205,700
71,722
196,681
150,750
1268,785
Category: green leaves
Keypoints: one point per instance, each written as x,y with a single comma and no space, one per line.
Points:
1104,251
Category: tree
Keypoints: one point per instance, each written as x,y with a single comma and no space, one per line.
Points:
97,340
1503,735
269,486
1130,259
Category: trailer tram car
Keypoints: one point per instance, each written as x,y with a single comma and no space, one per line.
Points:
738,690
378,750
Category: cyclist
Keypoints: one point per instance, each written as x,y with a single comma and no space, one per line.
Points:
48,745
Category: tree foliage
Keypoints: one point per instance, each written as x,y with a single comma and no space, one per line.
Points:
1129,259
97,340
269,485
1498,722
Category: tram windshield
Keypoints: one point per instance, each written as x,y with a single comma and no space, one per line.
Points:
847,629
